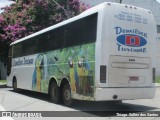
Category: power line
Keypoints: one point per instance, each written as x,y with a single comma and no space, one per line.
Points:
68,15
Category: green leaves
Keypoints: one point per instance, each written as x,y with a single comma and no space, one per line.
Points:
28,16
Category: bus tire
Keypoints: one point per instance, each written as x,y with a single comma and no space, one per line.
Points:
66,95
14,84
54,93
118,101
115,102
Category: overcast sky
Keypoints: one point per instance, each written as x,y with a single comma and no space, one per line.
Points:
4,3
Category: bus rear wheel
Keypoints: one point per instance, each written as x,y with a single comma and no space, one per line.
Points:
66,94
54,93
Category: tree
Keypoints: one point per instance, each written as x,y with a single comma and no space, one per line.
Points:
28,16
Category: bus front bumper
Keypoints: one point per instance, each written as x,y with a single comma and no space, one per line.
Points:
104,94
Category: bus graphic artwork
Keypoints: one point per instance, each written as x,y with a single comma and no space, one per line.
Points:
73,75
83,68
78,67
40,73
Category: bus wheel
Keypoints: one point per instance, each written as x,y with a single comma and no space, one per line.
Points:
54,93
68,101
115,102
14,84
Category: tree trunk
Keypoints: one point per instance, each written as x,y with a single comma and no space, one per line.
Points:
0,71
3,71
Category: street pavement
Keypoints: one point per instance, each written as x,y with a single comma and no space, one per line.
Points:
32,101
3,85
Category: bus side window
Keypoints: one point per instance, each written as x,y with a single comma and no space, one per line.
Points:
29,47
58,38
90,29
42,42
51,41
73,34
67,36
17,50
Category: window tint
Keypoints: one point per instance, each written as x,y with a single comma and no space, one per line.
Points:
29,46
17,50
82,31
90,29
41,42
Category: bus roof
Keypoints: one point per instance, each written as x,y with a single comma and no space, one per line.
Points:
83,14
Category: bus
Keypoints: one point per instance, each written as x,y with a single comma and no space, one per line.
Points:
107,53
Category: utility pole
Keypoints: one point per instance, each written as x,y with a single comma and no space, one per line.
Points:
120,1
68,15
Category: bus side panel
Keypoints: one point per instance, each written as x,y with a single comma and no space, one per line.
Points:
22,69
77,64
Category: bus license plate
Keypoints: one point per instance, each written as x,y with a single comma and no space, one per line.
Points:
133,78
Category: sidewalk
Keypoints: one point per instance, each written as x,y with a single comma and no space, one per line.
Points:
3,85
157,84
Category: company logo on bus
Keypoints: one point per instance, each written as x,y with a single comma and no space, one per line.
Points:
131,40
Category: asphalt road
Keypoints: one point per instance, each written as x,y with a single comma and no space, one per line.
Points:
23,101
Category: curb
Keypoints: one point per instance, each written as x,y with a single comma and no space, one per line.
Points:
2,85
157,84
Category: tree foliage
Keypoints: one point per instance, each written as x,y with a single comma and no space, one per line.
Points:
28,16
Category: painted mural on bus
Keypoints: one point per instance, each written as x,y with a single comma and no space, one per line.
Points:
77,64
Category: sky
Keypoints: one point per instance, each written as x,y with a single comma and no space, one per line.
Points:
4,3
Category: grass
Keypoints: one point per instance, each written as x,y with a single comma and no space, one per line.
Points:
157,79
3,81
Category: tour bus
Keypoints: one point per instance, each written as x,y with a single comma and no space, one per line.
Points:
107,53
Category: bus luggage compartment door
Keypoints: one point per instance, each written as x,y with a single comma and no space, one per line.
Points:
129,72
